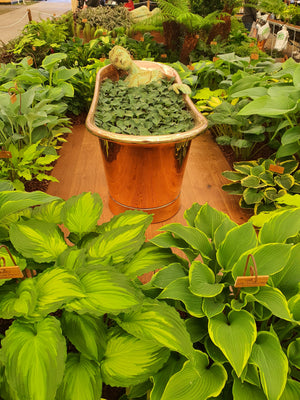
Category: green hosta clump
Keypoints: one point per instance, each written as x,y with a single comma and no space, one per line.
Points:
259,186
151,109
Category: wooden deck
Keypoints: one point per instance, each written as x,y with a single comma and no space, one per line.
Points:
80,169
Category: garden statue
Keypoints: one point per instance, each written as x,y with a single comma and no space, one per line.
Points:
121,59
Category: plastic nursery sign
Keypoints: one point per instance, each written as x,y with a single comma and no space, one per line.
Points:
276,168
9,272
252,280
5,154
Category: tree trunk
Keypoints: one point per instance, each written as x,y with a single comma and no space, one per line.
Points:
221,29
172,33
190,42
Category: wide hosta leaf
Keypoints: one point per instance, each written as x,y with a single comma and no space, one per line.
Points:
55,287
118,245
268,356
72,258
236,242
288,278
11,202
191,213
202,281
149,258
179,290
82,379
213,306
208,219
246,391
280,227
220,233
166,275
34,357
50,212
105,291
269,258
268,106
86,333
160,322
127,218
39,240
196,381
161,378
18,302
293,353
129,360
192,236
274,300
235,336
291,390
81,213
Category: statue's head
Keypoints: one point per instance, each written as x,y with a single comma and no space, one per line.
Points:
120,58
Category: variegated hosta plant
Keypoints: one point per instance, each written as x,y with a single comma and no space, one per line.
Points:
250,336
83,319
259,186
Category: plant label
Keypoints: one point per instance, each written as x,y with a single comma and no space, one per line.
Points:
251,281
11,272
5,154
276,168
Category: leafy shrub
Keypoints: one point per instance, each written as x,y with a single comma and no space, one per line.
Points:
259,186
84,315
108,18
151,109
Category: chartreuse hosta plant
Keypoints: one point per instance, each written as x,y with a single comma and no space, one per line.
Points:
85,318
250,335
260,183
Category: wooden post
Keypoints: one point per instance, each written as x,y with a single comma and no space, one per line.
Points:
148,4
29,15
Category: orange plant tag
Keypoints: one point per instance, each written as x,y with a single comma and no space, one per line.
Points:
254,56
84,20
253,280
10,272
5,154
13,98
276,168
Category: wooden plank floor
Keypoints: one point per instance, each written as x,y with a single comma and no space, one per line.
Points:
79,169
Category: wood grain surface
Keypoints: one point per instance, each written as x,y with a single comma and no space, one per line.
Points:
80,169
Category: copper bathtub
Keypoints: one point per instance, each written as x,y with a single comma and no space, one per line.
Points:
144,172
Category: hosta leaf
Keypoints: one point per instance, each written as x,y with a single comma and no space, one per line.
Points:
194,237
159,322
50,212
127,218
252,196
42,241
208,219
267,177
202,281
274,300
220,233
285,181
118,245
196,381
233,188
81,213
280,227
40,349
211,306
149,258
72,258
11,202
250,181
191,213
294,305
86,333
236,242
269,258
55,287
213,351
268,356
293,353
270,193
246,391
291,135
161,378
235,336
268,106
179,290
106,291
291,390
166,275
233,176
19,302
82,379
288,278
129,360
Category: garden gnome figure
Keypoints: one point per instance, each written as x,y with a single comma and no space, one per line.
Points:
121,59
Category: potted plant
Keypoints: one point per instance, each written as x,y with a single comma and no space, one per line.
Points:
144,172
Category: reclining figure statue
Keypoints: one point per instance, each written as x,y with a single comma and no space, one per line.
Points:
121,59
